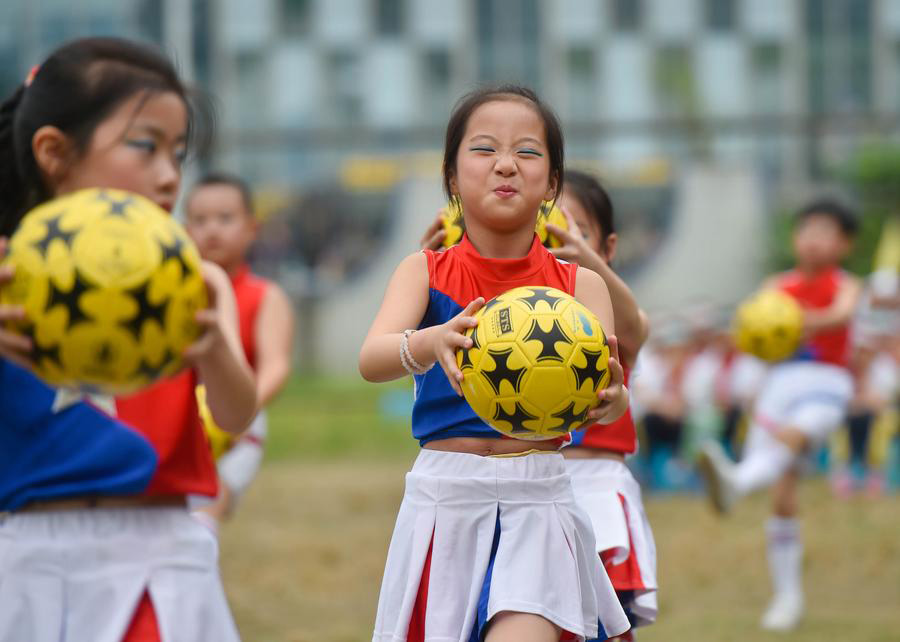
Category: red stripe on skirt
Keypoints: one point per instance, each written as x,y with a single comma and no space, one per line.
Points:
627,575
416,631
143,627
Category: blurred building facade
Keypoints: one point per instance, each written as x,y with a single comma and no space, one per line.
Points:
789,84
335,111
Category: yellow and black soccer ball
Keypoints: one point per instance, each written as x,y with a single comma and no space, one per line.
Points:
537,362
455,225
110,284
769,325
550,213
220,442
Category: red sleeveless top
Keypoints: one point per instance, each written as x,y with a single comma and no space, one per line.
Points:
818,292
166,414
249,290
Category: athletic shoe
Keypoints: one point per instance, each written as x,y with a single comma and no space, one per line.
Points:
784,612
718,471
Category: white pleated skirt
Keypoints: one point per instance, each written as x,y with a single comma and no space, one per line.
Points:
76,575
611,497
504,534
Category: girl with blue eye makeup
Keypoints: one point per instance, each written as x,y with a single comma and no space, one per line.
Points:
489,544
96,542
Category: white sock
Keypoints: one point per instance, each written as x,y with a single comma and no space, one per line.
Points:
785,552
765,461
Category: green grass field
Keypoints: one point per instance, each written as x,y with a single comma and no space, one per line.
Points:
302,559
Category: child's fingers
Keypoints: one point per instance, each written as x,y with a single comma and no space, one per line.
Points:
473,307
454,376
616,373
565,236
15,342
11,313
613,342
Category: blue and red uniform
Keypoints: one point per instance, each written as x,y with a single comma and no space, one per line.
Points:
49,452
455,278
817,292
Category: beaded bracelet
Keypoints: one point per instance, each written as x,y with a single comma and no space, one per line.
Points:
412,366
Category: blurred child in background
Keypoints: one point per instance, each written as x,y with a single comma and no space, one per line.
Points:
220,219
802,401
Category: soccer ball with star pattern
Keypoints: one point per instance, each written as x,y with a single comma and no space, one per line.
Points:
110,284
537,362
769,325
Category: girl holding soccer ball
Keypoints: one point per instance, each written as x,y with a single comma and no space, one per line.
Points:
488,541
96,542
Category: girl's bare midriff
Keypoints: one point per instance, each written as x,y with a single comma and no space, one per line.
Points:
486,446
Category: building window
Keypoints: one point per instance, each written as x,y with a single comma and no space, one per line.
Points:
509,43
436,81
676,89
581,70
720,15
252,83
346,97
390,18
295,17
627,14
839,33
767,80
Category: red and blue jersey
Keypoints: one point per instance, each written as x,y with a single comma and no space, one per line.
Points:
51,450
817,292
455,278
249,291
619,436
166,414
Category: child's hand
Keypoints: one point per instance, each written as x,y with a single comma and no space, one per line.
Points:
613,399
434,236
211,319
575,248
13,346
450,338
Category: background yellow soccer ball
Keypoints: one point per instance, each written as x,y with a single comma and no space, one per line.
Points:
550,213
455,226
110,284
538,361
769,325
220,442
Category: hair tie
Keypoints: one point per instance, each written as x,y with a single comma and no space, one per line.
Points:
31,74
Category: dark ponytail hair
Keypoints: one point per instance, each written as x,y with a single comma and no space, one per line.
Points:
459,120
75,89
593,198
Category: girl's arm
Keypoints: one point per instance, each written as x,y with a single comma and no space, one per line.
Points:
274,337
219,359
404,305
591,291
839,313
632,326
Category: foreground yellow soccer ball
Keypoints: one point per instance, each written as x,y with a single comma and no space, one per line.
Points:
455,225
769,325
538,361
110,284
